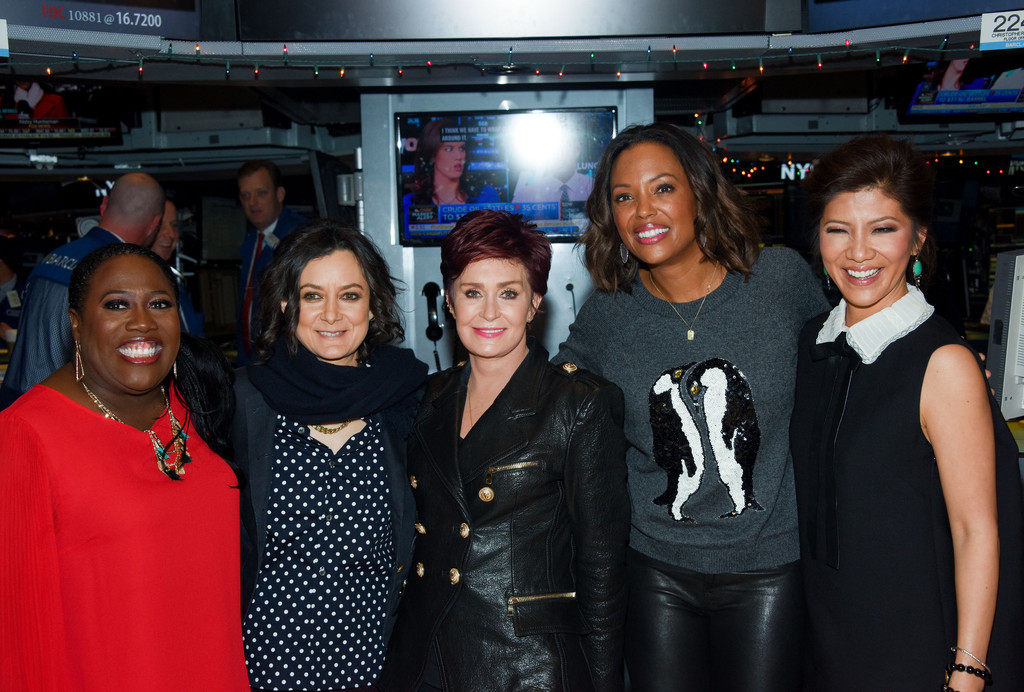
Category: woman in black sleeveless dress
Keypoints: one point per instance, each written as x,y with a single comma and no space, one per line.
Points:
912,567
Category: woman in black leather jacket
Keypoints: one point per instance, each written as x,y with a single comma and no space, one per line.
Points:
517,466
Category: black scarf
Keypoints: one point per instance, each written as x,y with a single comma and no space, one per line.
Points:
308,390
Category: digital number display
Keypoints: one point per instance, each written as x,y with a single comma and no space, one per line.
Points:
166,18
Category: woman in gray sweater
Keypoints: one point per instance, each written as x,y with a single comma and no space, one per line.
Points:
699,329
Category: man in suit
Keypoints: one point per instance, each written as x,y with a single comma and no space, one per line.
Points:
262,197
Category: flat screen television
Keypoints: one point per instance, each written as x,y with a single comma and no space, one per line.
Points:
40,114
1005,357
538,163
977,88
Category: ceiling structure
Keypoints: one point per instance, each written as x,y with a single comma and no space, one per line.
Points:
215,103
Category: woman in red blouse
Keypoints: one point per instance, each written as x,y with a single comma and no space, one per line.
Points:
118,519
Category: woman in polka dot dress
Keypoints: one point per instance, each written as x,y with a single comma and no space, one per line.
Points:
323,415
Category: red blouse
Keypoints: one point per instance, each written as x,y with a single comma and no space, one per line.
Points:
113,576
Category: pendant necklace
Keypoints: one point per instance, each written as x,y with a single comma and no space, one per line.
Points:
170,459
469,406
689,325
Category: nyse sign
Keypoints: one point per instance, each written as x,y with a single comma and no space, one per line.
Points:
791,171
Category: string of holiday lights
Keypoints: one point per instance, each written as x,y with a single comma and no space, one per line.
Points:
588,64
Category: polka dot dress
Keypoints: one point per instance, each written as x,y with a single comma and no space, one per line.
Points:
316,619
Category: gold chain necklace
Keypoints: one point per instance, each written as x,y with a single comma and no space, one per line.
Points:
330,431
469,406
173,469
689,325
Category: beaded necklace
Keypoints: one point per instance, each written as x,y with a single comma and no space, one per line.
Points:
172,468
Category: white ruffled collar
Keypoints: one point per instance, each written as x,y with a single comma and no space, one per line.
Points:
873,334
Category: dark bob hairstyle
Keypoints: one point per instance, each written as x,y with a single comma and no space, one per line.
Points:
880,162
728,232
492,234
279,283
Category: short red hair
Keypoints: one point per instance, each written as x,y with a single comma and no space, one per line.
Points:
492,234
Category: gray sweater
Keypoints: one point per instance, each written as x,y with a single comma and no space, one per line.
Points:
710,474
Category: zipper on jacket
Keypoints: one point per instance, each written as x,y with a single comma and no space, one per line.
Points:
513,601
508,467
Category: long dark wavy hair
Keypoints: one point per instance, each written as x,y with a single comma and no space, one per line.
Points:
727,229
423,176
880,162
204,380
279,283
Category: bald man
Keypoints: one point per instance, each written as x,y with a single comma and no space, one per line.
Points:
130,213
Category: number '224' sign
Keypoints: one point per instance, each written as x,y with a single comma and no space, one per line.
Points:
1002,30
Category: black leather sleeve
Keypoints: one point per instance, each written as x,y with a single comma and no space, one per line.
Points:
598,503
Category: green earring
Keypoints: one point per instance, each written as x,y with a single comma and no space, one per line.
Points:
916,271
828,280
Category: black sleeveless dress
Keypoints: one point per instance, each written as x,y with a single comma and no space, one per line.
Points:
875,540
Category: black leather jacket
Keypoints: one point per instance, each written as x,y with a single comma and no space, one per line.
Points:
518,576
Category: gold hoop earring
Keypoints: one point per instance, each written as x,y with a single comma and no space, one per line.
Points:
174,370
79,365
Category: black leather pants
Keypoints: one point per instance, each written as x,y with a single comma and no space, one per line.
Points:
693,632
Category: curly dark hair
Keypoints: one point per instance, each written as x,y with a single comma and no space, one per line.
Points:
889,165
279,283
728,231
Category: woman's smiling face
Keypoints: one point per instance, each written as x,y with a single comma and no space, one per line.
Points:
867,241
334,308
492,303
128,327
653,206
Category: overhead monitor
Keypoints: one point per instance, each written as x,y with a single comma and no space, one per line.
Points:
969,89
839,15
404,20
40,113
538,163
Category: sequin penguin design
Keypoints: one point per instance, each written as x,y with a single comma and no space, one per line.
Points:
709,398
